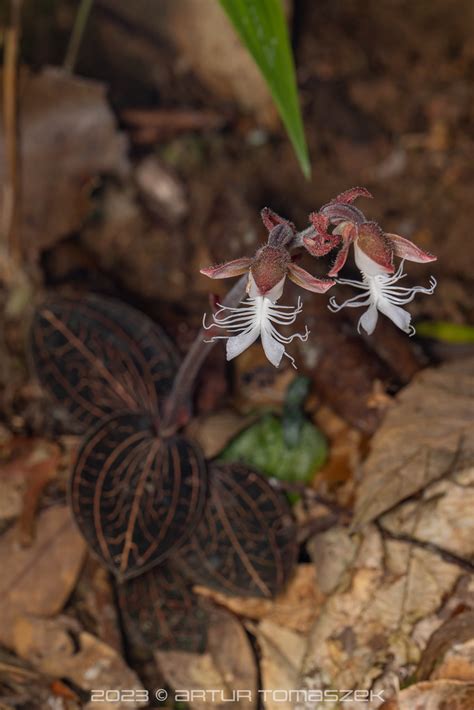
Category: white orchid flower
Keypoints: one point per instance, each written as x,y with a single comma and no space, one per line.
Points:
256,317
380,294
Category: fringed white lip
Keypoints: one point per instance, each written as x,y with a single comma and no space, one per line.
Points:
380,294
255,317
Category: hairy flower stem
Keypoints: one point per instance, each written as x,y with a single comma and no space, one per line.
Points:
178,406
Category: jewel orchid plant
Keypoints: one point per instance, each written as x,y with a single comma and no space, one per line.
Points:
337,225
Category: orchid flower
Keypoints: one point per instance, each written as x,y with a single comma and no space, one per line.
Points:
374,251
258,314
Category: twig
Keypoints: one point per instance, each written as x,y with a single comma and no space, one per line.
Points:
76,35
11,190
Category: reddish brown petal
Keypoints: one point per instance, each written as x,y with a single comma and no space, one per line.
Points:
302,278
319,222
407,250
340,260
322,244
270,219
375,245
269,267
348,196
230,268
348,233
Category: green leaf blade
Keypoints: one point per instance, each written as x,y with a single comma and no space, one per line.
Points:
262,27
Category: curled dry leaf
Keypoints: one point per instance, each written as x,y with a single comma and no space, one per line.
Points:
245,544
60,648
295,608
227,667
428,435
160,609
136,497
437,695
68,138
39,579
97,355
450,650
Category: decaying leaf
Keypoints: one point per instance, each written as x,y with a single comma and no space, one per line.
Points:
39,579
296,608
450,650
69,138
214,431
388,599
98,355
227,666
437,695
427,436
441,516
60,648
245,544
135,496
160,608
95,603
282,653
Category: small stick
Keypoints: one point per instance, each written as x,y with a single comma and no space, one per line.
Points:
11,190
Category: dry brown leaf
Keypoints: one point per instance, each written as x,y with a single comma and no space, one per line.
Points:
281,656
95,599
429,434
296,608
442,516
39,579
228,666
69,137
59,648
437,695
368,633
214,431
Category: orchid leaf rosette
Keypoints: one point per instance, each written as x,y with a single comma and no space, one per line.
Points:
338,225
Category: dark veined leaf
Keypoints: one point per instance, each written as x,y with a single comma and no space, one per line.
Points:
97,355
245,544
160,610
136,497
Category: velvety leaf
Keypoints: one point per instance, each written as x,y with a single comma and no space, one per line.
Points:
245,543
263,445
160,608
136,497
97,355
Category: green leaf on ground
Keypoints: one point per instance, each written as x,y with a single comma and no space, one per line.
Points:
262,28
263,446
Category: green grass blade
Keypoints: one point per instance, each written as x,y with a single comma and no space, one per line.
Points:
446,332
262,27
